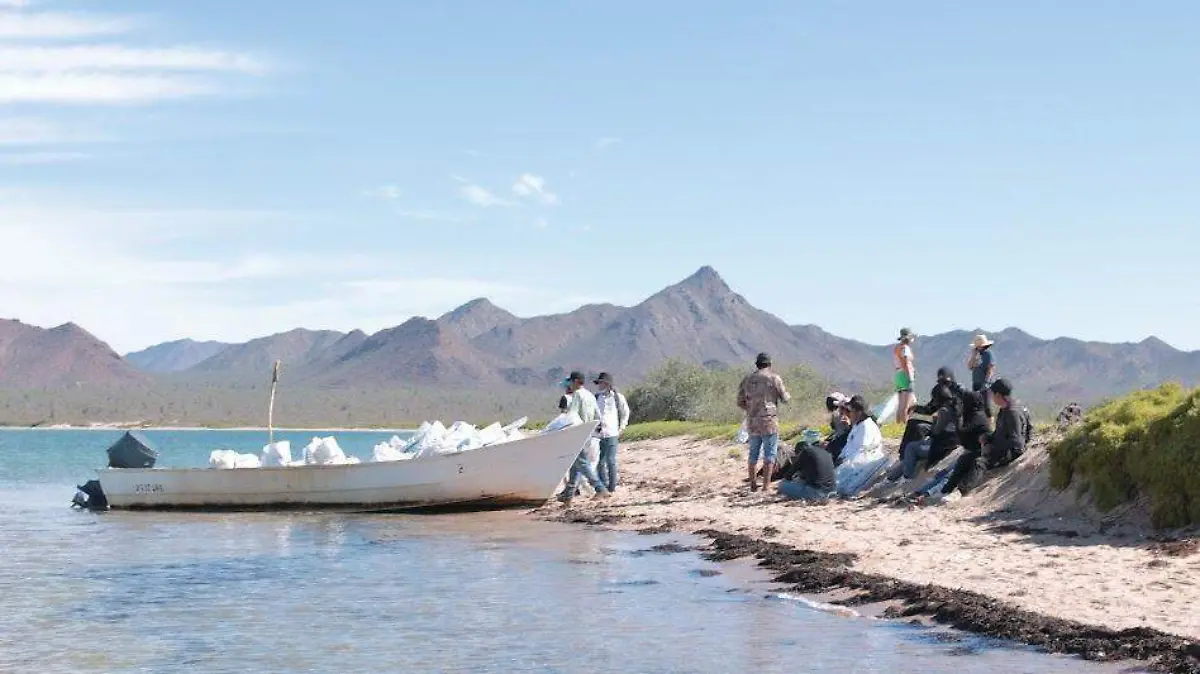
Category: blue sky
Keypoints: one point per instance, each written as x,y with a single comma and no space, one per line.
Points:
229,169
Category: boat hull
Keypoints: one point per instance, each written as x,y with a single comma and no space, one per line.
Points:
515,473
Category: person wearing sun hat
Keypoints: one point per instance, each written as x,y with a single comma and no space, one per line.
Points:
983,368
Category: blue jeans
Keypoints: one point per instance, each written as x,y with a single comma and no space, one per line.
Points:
913,453
607,468
582,468
802,490
767,444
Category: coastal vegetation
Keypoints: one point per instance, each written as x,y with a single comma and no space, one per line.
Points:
1145,444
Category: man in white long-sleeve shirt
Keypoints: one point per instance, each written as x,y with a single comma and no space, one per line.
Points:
614,417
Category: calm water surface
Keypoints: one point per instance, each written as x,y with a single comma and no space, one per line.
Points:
492,592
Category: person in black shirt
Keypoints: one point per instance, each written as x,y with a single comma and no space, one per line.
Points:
983,450
815,477
1014,427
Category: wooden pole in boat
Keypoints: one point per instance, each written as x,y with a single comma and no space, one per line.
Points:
271,406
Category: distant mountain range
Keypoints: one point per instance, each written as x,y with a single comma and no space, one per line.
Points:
480,346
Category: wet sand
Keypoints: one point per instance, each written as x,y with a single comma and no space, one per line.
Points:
1015,559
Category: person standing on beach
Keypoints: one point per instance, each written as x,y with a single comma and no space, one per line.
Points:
582,402
759,396
983,369
614,417
906,374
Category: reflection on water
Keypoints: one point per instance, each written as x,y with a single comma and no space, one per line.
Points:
290,592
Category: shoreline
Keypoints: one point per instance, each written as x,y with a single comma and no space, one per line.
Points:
1099,588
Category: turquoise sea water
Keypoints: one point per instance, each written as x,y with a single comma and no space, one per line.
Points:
318,592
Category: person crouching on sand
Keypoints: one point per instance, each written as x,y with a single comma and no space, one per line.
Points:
759,396
614,417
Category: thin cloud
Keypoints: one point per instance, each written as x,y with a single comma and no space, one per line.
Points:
529,186
103,89
433,216
22,25
91,58
604,143
383,192
38,158
76,58
481,196
41,131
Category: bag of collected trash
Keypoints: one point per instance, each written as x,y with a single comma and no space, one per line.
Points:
324,452
516,425
743,434
860,472
228,459
387,451
886,409
277,454
492,434
222,458
563,421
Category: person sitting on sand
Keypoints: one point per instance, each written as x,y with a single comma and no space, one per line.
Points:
863,457
759,396
1014,427
839,425
941,435
967,471
815,478
582,402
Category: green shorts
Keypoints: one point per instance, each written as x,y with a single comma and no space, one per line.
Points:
904,383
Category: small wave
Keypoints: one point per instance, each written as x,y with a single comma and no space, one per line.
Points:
819,606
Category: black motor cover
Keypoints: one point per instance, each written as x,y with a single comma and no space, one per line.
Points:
133,450
91,496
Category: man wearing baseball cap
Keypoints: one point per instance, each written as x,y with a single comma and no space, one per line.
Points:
582,402
759,396
614,417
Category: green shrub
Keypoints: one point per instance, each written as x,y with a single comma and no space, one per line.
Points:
1145,443
680,391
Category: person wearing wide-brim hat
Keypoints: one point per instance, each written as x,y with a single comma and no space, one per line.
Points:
982,363
906,374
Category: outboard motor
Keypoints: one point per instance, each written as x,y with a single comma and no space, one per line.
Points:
90,496
133,450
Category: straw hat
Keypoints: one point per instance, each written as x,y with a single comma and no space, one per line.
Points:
981,341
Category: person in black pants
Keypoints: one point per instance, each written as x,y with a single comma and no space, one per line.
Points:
967,472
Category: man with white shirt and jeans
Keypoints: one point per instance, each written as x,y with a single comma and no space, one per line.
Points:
582,402
614,417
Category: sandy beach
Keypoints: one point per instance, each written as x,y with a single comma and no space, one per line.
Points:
1015,540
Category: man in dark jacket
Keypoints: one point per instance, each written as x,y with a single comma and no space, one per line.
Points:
815,477
1014,427
983,450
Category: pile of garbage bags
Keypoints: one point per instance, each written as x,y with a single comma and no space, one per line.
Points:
431,439
319,452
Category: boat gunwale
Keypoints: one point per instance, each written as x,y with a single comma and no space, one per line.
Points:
489,449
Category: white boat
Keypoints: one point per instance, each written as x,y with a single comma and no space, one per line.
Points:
514,473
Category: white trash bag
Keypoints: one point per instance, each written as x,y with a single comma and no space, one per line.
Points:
277,454
564,420
324,452
743,434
